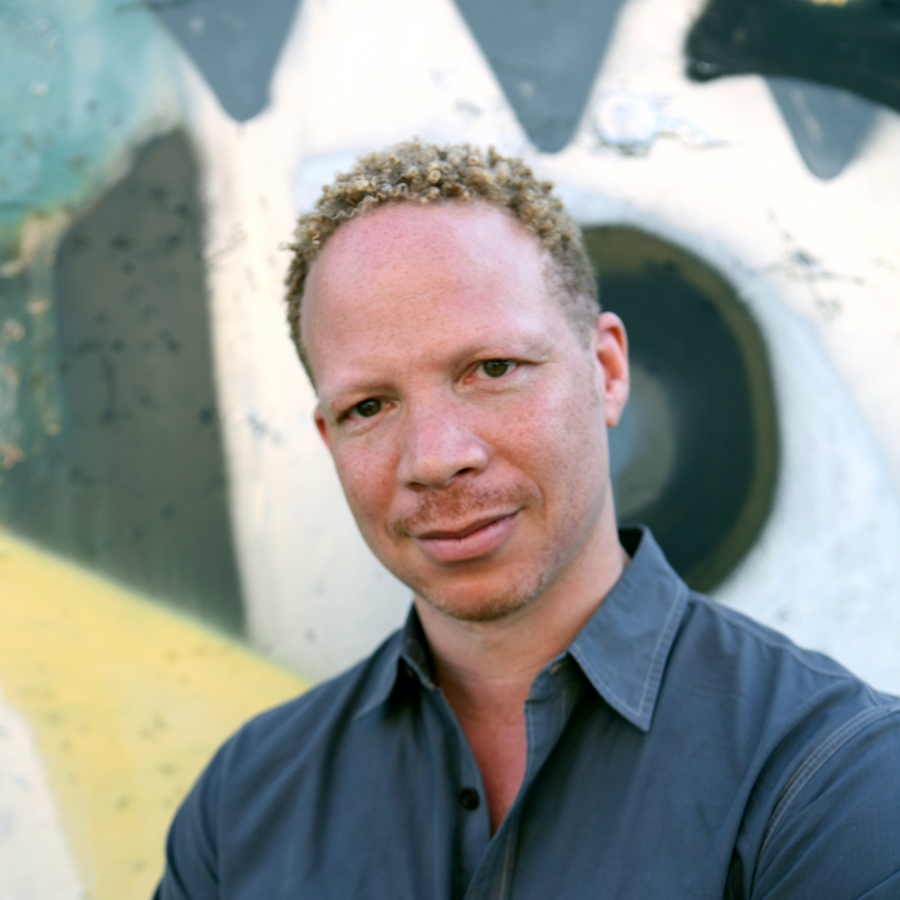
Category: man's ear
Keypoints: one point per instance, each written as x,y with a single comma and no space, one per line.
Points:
319,419
610,346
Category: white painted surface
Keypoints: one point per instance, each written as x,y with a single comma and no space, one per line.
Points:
711,167
826,570
35,863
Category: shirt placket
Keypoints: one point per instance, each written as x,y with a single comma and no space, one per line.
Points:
469,833
554,694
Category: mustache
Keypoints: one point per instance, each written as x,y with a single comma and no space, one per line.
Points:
456,504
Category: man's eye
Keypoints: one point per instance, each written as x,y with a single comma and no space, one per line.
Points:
367,408
494,368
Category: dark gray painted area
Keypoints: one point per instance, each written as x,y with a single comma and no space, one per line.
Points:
545,54
829,126
702,411
134,485
235,44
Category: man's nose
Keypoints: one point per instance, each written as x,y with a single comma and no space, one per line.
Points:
439,446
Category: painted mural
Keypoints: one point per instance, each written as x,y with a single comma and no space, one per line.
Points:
175,551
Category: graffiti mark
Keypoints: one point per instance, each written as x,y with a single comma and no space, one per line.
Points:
262,429
78,83
696,453
829,126
134,483
849,46
545,56
631,123
854,46
234,44
10,425
800,265
126,701
235,238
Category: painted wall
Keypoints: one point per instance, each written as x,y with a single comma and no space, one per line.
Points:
174,541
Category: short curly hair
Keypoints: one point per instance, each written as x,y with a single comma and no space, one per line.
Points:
418,172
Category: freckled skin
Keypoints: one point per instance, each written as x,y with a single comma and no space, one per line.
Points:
402,308
467,421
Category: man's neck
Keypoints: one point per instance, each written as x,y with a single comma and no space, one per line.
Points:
486,668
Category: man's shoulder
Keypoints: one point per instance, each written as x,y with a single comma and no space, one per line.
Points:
799,711
713,661
741,648
817,749
750,686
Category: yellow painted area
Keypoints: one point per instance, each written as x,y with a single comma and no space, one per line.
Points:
127,701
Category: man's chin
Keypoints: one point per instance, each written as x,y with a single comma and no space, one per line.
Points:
481,606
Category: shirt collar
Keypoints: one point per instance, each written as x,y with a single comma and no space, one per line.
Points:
406,652
622,650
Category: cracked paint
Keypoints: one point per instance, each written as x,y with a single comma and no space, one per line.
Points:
632,122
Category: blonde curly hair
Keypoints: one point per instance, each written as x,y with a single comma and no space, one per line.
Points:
417,172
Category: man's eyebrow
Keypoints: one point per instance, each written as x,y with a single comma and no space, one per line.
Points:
337,393
520,345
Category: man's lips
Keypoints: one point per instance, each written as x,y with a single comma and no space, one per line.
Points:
471,541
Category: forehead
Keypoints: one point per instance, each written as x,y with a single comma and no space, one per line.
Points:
400,271
463,239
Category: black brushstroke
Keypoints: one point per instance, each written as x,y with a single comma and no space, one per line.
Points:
687,326
855,47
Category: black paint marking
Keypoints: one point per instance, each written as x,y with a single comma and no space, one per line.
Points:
135,484
855,46
545,54
702,354
235,44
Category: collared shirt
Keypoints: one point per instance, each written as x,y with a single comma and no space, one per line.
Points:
675,750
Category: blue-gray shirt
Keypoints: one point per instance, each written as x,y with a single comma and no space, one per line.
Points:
675,750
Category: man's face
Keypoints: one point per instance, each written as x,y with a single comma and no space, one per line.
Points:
466,418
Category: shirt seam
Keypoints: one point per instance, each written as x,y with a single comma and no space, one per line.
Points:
814,762
737,620
504,875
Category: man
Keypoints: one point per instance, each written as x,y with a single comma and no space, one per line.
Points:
561,716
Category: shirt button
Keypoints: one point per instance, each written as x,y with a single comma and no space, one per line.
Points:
469,798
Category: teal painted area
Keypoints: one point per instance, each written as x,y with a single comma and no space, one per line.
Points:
82,82
110,452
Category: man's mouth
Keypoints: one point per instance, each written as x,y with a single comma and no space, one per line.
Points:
467,542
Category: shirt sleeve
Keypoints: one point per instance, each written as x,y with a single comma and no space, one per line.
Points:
835,830
192,871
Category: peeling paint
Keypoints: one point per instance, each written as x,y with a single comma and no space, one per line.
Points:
631,123
799,265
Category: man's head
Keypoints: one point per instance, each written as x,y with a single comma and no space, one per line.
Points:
465,407
424,174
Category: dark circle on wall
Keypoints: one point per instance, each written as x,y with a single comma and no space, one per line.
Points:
695,456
